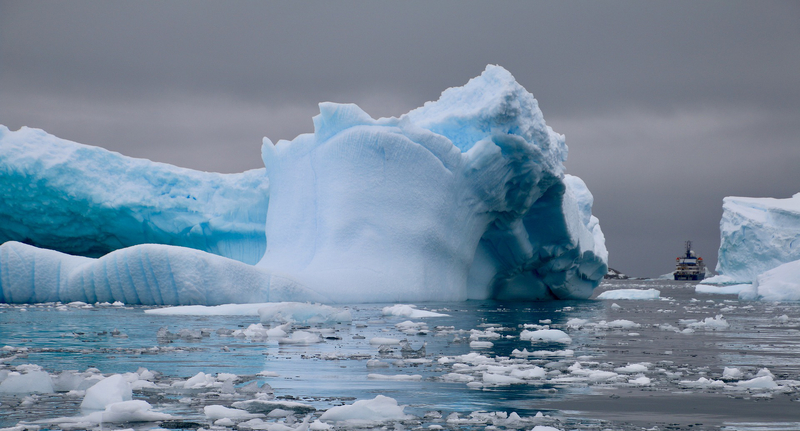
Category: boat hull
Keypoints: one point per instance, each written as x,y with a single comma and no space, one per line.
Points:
696,277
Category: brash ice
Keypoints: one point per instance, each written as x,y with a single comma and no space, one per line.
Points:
462,198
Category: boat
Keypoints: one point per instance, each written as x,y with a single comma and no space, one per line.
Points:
689,266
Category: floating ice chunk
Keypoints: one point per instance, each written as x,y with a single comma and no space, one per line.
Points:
730,289
711,323
301,337
500,380
199,380
591,375
546,335
630,294
410,311
384,341
633,368
266,406
544,428
640,381
378,409
28,383
303,313
319,426
524,353
457,378
781,283
215,412
395,377
764,372
214,310
576,323
732,373
121,412
481,344
703,383
619,324
112,389
529,373
763,382
488,334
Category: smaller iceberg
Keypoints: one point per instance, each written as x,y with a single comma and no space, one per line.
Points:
757,235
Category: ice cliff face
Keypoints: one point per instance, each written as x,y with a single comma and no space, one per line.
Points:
85,200
462,198
757,235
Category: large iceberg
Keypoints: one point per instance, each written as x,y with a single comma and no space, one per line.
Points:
757,235
85,200
465,197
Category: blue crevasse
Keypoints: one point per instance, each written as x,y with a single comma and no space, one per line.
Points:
462,198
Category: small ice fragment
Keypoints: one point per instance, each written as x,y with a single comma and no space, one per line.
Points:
112,389
378,409
410,311
396,377
546,335
732,373
631,294
384,341
481,344
214,412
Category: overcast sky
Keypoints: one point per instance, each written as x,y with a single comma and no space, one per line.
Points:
667,107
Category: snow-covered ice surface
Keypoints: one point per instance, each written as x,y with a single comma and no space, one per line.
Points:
687,358
757,235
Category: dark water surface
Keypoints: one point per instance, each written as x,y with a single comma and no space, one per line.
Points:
662,335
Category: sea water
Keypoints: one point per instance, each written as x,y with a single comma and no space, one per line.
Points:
631,364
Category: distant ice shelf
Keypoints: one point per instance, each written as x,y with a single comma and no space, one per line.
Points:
465,197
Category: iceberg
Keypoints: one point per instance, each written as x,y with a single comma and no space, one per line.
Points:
463,198
88,201
757,235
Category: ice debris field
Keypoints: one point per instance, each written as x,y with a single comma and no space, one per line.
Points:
446,202
673,361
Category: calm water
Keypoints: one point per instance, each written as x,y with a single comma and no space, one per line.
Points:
661,334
